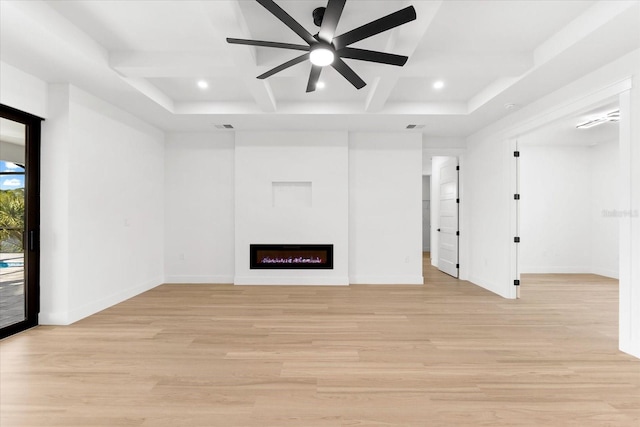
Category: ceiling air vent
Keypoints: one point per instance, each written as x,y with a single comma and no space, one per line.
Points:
415,126
224,126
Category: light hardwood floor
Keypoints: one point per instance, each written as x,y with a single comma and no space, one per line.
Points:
444,354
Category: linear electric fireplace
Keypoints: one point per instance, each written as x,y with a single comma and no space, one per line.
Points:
277,257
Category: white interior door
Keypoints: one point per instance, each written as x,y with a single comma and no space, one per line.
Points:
448,218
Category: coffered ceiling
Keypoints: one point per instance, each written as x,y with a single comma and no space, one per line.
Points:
148,56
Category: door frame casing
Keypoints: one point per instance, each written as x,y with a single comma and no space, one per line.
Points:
32,218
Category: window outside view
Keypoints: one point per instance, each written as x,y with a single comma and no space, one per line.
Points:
12,217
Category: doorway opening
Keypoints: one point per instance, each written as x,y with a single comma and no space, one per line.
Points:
568,198
426,218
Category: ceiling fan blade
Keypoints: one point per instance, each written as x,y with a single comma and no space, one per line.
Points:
375,27
330,20
284,66
279,13
348,73
314,76
372,56
268,44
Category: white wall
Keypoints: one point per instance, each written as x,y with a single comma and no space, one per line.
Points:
565,190
555,215
54,208
199,208
318,158
22,91
385,212
485,235
605,197
219,199
630,223
102,206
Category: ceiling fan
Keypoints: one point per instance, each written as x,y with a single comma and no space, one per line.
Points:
325,48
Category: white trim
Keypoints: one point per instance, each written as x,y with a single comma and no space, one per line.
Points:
72,316
628,341
57,318
292,280
387,280
492,286
628,329
565,109
178,279
562,269
605,272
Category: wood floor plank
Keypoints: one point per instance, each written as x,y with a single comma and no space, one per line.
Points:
447,353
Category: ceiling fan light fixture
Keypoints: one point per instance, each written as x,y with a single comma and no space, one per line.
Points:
320,85
613,116
325,48
321,56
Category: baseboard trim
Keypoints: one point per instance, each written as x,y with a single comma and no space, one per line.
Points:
199,279
570,270
93,307
292,281
386,280
554,270
493,287
612,274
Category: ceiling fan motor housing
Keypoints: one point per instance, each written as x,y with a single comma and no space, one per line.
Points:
318,15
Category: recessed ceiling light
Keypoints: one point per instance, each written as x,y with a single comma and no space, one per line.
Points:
439,84
320,85
202,84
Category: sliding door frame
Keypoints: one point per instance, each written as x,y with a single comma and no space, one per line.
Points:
32,218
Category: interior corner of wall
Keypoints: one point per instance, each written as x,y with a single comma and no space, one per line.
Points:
54,318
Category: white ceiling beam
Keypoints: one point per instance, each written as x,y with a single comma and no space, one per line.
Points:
190,64
447,63
217,108
262,93
150,91
379,93
407,36
302,108
586,24
171,64
426,108
243,57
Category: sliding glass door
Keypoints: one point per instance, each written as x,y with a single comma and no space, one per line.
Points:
19,220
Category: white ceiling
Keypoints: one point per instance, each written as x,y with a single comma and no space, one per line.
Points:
563,132
146,57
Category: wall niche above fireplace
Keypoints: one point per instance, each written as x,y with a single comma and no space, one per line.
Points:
291,257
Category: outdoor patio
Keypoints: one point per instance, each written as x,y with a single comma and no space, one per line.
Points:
11,289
